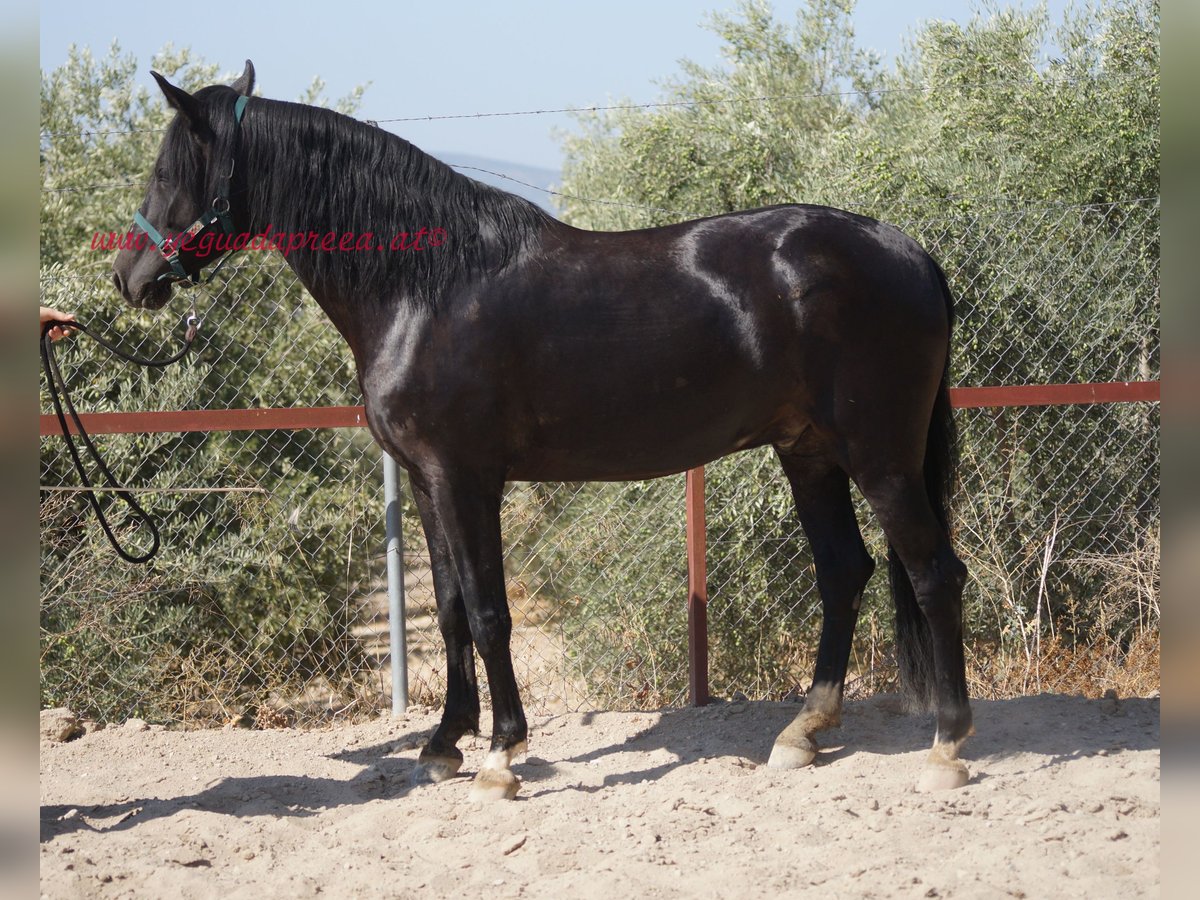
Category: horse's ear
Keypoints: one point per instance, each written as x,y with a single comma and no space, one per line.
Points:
187,105
245,83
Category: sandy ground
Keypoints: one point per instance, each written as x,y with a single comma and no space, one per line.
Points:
1063,802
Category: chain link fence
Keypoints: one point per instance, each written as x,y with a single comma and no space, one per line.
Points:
267,603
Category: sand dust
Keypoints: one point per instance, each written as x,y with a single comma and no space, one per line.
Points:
1063,802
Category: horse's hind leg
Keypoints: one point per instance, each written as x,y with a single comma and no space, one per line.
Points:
440,758
821,492
936,577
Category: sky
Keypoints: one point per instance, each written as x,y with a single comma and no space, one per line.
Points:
451,58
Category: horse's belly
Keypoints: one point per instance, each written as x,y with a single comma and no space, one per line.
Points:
648,436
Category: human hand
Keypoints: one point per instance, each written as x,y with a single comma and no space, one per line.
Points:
61,330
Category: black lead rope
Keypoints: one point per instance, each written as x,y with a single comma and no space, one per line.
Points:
60,395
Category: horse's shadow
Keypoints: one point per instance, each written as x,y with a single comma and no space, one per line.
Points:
381,776
1055,727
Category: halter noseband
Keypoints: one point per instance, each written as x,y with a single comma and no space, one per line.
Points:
217,215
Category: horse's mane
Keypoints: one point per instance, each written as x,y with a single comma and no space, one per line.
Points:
308,169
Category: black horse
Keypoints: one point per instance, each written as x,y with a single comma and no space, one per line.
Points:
519,348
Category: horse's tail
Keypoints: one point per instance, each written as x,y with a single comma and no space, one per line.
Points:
914,642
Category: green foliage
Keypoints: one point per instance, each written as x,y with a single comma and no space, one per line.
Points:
704,154
800,115
255,588
1033,180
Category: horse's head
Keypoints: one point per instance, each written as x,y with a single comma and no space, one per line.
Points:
190,194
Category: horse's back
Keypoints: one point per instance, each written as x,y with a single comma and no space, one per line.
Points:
815,266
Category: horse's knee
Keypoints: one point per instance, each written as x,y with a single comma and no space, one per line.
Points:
451,618
491,630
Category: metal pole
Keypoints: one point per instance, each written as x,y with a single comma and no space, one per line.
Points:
697,603
395,581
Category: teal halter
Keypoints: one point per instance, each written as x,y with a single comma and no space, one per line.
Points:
216,216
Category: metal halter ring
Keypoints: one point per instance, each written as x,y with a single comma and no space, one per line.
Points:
193,326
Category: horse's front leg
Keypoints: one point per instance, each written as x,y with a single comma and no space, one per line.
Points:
440,758
467,506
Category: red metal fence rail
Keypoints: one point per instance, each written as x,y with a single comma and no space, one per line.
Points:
178,421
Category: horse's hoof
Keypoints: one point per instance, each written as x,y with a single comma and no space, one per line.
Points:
495,784
432,768
943,775
792,755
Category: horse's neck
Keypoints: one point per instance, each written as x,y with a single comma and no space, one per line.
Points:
366,290
289,224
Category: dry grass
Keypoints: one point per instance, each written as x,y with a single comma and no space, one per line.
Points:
1090,671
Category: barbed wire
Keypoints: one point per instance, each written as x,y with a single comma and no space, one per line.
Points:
671,104
595,108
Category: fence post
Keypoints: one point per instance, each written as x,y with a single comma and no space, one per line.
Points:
395,581
697,603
